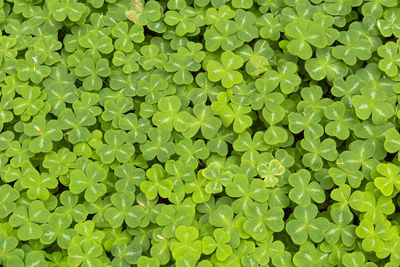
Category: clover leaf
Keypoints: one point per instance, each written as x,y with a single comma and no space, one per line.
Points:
66,8
96,44
151,57
183,20
307,122
218,243
318,150
37,184
307,225
371,103
359,155
182,65
92,72
250,146
389,179
325,65
342,120
57,229
203,121
43,133
11,255
86,254
308,254
274,134
8,51
32,68
71,207
187,242
217,178
376,9
116,147
197,188
271,26
246,192
353,47
223,34
269,249
226,72
266,96
8,198
159,145
341,228
126,254
170,218
143,14
78,123
6,104
231,112
303,190
128,62
30,102
303,33
285,77
390,58
373,235
114,110
350,259
354,178
123,210
313,100
88,180
262,220
392,140
270,171
28,220
127,36
169,117
387,24
130,177
156,185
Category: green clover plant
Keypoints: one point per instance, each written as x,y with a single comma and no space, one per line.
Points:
199,133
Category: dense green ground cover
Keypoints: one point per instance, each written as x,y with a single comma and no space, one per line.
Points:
199,133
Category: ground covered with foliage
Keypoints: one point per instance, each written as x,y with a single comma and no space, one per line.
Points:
199,133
